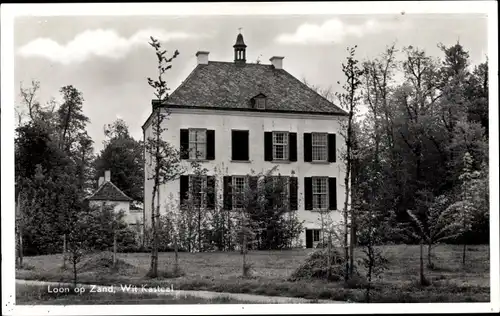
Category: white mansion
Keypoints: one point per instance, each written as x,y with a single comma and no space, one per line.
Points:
246,116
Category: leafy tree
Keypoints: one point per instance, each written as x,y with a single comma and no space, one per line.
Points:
123,156
165,163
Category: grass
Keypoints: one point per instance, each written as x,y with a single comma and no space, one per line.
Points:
221,272
38,295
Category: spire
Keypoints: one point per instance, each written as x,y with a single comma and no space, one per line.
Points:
240,49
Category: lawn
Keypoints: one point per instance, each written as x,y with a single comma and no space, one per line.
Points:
221,272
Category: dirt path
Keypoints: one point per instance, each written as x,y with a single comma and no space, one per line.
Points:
181,293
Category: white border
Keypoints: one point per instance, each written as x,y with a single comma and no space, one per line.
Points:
9,11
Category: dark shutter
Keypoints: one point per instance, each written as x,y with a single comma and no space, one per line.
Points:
228,200
239,145
268,146
210,144
308,193
332,188
293,146
293,193
211,192
307,147
332,150
184,189
184,144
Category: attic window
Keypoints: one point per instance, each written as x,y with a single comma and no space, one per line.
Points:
260,103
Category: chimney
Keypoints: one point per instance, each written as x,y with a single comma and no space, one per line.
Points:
277,62
202,58
107,176
101,181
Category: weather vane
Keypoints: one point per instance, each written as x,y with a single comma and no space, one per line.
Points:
240,28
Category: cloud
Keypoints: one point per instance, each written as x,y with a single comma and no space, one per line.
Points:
333,30
99,42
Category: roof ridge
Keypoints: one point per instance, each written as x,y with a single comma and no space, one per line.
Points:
315,92
183,82
114,186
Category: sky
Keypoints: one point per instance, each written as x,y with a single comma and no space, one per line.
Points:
108,58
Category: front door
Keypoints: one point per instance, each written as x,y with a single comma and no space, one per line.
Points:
309,238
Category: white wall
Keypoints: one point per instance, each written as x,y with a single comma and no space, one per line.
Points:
257,123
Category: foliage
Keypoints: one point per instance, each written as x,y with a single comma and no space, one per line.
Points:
123,156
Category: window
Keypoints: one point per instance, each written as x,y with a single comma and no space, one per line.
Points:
198,190
280,145
239,145
319,147
320,193
280,185
238,191
316,235
260,103
197,143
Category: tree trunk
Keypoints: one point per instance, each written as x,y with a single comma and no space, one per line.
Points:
153,270
463,253
199,229
114,248
74,271
351,244
329,272
64,251
19,230
20,246
176,250
422,278
244,248
429,255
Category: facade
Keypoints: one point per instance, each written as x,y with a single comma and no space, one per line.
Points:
108,193
238,117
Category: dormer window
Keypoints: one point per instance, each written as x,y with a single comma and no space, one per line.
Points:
259,102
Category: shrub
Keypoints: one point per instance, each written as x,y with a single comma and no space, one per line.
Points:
316,267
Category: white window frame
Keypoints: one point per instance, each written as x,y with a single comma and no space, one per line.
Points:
202,193
285,145
196,144
236,194
260,103
318,191
318,231
319,145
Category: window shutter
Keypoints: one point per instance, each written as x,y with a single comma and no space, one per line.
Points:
292,146
307,147
332,188
211,192
228,199
210,144
332,150
308,193
293,194
184,144
268,146
184,189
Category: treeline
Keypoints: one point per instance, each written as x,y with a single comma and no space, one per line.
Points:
56,168
420,154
